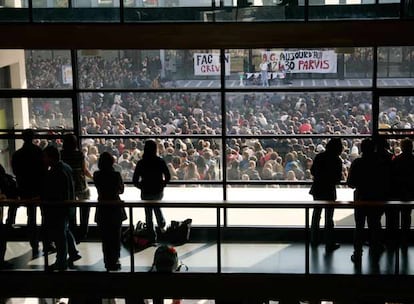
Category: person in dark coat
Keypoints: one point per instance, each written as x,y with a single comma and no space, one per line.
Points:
109,185
327,173
28,167
8,190
402,189
366,176
151,175
58,187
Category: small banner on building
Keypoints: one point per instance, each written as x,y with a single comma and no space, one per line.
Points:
207,64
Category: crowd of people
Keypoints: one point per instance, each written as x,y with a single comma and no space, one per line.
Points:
54,176
257,114
126,115
95,72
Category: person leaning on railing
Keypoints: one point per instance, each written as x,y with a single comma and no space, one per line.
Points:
366,177
327,173
29,169
402,189
109,185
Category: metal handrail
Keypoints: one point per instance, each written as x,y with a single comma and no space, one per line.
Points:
218,205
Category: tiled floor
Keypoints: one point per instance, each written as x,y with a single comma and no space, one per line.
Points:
202,257
235,258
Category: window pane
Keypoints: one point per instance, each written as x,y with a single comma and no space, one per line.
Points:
12,11
212,11
51,113
151,113
47,69
395,66
299,113
14,14
188,159
149,69
284,159
280,217
299,68
352,9
36,113
76,10
396,112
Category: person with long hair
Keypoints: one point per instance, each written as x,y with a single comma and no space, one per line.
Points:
151,175
109,185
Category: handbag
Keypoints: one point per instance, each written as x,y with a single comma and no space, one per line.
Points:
178,232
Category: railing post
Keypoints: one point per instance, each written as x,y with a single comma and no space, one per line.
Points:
218,241
307,232
397,247
131,238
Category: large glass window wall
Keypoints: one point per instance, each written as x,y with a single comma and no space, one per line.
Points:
225,132
141,11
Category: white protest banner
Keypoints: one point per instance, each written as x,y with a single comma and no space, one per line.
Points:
207,64
302,61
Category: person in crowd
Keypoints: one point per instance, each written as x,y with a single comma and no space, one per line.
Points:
109,185
72,156
366,176
28,167
327,173
151,175
264,67
402,189
58,187
8,190
233,173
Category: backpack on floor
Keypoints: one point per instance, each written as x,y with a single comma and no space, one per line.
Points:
166,260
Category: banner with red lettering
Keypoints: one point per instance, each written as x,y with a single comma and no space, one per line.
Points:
302,61
206,64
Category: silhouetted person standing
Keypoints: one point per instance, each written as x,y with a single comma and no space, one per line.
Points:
151,175
385,161
366,176
402,189
109,185
28,167
72,156
327,173
57,188
8,190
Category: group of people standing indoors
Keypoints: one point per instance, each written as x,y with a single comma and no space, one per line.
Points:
377,176
54,176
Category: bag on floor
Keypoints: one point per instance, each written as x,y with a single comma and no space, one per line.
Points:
178,233
141,238
166,260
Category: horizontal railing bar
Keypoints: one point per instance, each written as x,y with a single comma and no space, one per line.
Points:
215,203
